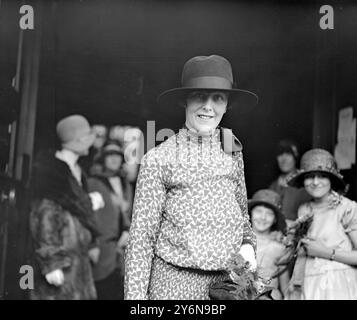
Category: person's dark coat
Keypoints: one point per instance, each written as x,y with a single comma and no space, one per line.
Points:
63,229
111,222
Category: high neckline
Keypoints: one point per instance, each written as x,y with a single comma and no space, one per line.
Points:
196,136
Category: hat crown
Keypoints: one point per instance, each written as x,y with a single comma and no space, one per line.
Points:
268,196
205,70
318,160
72,127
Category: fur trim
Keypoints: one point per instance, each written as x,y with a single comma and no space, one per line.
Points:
53,180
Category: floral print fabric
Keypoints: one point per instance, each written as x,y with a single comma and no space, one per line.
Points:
190,209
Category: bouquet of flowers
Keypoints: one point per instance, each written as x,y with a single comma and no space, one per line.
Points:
240,283
295,232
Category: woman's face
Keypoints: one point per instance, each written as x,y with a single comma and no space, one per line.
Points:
286,162
263,219
204,110
318,185
113,162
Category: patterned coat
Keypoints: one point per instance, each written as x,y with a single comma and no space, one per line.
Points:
190,209
62,231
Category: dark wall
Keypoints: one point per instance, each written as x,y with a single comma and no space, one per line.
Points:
13,214
346,75
96,53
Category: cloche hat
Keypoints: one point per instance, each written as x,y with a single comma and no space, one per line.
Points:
318,160
112,147
75,133
272,200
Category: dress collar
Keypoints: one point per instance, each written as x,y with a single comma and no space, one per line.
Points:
193,135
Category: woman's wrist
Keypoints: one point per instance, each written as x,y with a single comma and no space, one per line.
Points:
333,255
329,254
325,253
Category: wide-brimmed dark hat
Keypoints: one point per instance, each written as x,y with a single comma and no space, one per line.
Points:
319,161
211,73
272,200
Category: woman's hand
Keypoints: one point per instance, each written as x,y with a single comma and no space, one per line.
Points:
55,277
94,254
123,241
125,206
247,252
316,248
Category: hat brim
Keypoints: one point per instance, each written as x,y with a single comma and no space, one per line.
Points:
280,223
112,152
297,180
242,100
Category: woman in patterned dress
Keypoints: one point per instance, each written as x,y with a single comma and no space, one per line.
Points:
190,216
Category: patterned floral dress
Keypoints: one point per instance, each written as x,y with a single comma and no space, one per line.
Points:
190,218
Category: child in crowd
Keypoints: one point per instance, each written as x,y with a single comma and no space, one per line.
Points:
330,271
268,222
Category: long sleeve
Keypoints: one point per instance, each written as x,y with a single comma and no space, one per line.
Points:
47,226
241,195
146,220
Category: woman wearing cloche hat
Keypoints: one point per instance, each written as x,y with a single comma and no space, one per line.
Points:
331,243
113,222
190,213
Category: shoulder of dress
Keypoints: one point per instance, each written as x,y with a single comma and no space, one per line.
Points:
348,203
162,151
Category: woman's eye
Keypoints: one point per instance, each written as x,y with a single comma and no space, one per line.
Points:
219,98
198,96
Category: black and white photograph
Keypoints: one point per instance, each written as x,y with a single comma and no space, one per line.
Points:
198,150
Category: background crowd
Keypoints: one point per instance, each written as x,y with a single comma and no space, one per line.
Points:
81,216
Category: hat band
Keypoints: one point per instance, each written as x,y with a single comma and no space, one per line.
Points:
208,83
112,149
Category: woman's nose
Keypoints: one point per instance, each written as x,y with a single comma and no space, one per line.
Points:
316,180
262,216
208,104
